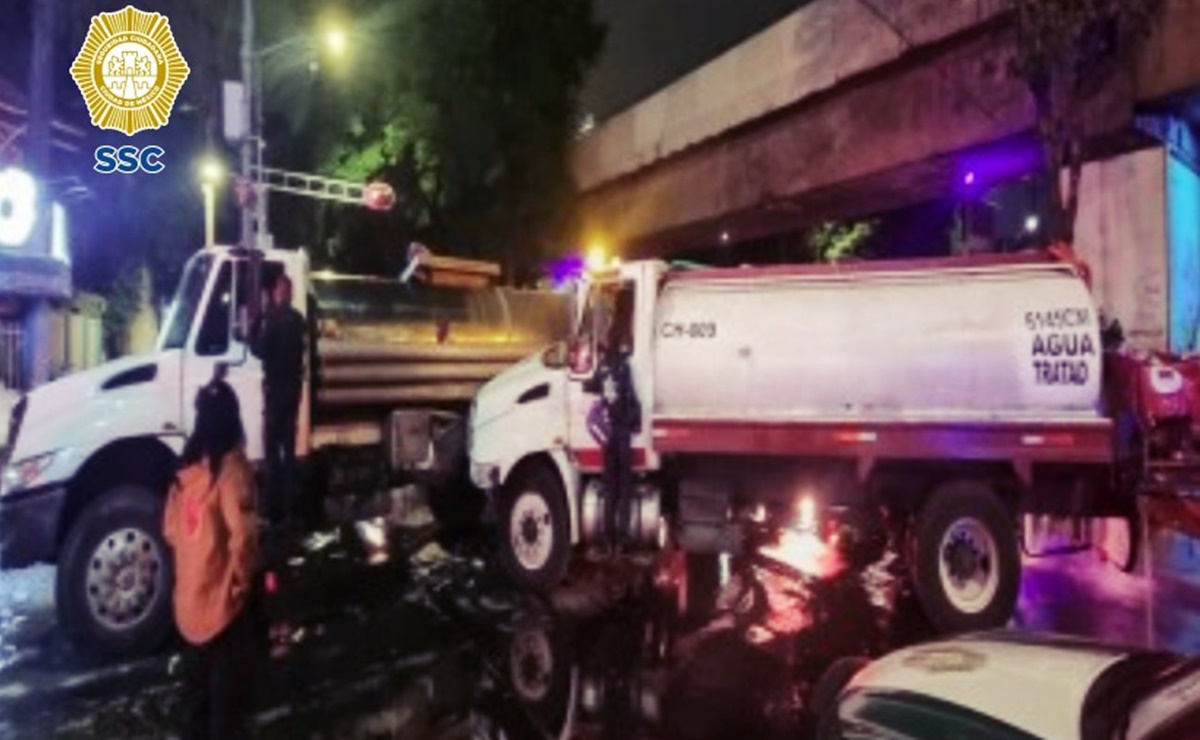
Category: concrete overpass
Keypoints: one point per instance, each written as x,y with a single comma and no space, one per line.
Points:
844,108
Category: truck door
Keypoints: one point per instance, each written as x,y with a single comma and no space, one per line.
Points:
607,321
216,341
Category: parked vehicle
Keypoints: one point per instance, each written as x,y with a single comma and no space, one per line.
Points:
392,367
931,402
981,686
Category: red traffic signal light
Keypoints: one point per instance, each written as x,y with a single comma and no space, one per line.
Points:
379,196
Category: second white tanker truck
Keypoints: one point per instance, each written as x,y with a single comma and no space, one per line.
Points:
937,400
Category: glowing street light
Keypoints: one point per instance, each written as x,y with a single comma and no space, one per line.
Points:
212,172
335,41
597,258
1032,222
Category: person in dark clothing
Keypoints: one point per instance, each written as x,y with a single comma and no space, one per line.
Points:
614,380
280,343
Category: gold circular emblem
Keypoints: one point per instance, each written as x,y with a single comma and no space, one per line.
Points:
129,70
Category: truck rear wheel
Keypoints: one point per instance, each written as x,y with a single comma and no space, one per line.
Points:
114,580
966,570
534,531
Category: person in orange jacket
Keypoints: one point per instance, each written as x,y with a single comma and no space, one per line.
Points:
210,523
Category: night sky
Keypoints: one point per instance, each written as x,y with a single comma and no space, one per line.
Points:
650,43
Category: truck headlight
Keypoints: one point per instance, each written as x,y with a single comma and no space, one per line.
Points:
25,473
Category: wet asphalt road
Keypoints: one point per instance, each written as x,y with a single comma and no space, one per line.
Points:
442,649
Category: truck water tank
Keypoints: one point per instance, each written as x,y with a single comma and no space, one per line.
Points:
383,343
1010,342
381,310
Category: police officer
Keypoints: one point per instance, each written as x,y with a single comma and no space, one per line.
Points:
614,379
279,343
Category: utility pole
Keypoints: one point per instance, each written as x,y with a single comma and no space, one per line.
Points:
39,123
260,189
249,141
39,135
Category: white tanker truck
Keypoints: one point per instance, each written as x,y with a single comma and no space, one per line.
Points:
937,400
392,368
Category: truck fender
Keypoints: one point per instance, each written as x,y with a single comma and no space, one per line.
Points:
148,461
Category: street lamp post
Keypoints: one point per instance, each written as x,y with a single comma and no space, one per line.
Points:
252,141
254,222
211,173
210,214
250,136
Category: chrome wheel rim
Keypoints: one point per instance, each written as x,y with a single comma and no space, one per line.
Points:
124,575
531,663
531,531
969,566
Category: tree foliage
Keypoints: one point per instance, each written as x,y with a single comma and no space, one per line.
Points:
837,242
470,119
1067,51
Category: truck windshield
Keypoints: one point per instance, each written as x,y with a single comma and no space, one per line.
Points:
607,317
582,344
186,301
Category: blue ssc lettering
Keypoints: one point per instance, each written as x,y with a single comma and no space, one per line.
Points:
129,159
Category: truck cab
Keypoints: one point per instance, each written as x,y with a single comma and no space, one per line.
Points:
534,443
90,456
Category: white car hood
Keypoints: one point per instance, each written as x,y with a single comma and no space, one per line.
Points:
1033,682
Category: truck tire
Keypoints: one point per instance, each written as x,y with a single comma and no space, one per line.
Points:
966,569
539,676
534,532
114,581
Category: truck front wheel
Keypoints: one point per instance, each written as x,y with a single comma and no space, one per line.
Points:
113,587
966,569
534,531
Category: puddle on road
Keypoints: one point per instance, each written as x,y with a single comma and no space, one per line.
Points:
444,649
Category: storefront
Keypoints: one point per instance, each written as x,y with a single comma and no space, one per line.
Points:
44,332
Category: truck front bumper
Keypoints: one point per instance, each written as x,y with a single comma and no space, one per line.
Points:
29,525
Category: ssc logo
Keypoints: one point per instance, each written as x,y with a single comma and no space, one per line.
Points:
128,159
129,70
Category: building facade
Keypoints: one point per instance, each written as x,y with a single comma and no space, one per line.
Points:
44,330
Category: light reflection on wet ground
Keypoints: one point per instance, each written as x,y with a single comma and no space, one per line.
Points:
446,651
